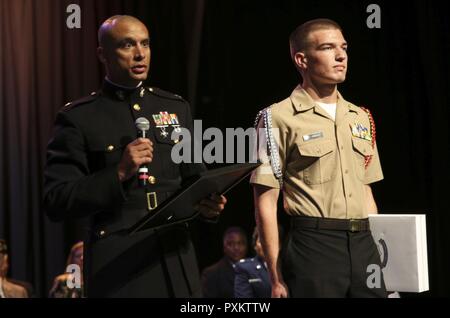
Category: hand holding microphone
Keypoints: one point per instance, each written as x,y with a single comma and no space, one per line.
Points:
137,155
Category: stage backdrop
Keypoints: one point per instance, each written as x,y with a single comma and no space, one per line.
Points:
229,59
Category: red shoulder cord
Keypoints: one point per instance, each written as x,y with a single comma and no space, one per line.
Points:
373,132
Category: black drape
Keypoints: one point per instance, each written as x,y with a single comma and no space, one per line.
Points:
229,59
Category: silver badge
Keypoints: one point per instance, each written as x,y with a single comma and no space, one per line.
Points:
312,136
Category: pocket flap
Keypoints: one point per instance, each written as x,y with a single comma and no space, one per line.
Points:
362,146
108,147
163,135
316,149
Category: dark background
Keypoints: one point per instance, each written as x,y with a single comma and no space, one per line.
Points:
229,59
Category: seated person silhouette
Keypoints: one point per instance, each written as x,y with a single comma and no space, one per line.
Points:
252,278
70,284
10,288
218,279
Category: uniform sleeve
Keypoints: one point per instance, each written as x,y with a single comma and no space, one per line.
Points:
70,190
242,288
265,173
373,171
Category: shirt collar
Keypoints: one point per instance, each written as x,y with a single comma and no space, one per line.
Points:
122,93
127,88
301,101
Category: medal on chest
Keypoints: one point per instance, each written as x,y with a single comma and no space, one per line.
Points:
164,120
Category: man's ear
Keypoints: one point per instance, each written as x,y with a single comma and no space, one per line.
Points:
101,54
301,60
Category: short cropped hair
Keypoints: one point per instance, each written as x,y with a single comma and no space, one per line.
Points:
235,229
298,40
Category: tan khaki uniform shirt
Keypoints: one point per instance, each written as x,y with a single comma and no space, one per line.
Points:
322,161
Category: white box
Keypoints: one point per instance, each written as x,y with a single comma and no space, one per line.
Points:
402,242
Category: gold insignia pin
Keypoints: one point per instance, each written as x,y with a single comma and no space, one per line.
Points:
151,180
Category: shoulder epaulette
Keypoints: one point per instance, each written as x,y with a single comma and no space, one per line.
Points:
162,93
82,101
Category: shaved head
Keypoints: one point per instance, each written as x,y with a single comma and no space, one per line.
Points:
106,29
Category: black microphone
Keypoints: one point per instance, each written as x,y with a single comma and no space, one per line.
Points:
142,125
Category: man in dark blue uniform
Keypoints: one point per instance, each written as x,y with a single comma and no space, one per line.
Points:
252,278
218,279
92,161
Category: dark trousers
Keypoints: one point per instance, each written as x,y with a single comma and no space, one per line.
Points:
149,264
332,263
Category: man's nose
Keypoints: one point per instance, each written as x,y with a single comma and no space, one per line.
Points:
139,53
341,55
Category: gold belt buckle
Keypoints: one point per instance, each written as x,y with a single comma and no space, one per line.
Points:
354,225
152,201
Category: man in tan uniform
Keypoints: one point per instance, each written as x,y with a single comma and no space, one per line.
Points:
323,156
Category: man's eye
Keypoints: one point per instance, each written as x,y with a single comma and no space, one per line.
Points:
127,45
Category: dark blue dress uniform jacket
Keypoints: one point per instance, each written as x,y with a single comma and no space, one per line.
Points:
252,279
81,180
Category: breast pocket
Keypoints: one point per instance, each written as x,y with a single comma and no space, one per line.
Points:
104,154
319,161
361,149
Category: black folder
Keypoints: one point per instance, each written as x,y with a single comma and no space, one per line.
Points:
180,206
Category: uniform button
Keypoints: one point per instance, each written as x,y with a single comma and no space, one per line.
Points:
102,233
346,171
150,89
350,195
318,150
152,180
342,147
176,141
110,148
136,107
93,93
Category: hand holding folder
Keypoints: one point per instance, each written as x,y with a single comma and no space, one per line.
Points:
212,206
